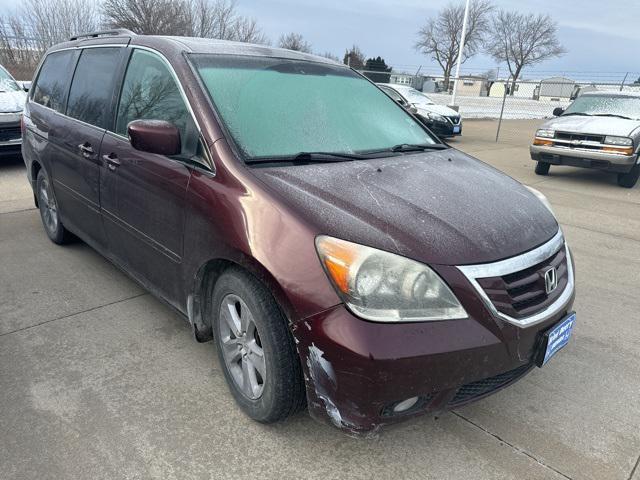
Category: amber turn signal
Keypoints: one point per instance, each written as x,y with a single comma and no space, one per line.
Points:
338,256
618,150
543,142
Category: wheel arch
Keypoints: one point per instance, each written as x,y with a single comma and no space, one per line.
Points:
34,168
205,279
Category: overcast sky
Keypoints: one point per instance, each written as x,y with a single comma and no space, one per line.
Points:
597,39
600,36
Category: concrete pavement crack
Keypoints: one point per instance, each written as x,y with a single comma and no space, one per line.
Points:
18,211
74,314
514,447
635,467
593,230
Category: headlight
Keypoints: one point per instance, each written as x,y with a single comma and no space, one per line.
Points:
436,117
542,198
384,287
546,133
624,141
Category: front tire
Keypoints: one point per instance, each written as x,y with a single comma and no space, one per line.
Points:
542,168
628,180
255,348
49,213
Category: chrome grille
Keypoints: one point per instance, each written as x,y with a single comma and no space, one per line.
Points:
523,293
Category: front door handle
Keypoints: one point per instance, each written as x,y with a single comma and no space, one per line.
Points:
112,161
86,150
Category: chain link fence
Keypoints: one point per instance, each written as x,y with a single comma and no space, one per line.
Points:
511,106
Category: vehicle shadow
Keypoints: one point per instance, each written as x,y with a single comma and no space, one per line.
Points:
11,162
584,176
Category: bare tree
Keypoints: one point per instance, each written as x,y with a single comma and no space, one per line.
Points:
522,40
197,18
219,19
330,56
149,17
38,24
247,30
354,58
294,41
439,38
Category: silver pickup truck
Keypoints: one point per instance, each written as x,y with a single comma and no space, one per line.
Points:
598,130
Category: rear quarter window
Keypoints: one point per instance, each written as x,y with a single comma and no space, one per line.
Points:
52,83
91,95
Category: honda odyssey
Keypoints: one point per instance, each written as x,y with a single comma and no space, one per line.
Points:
340,255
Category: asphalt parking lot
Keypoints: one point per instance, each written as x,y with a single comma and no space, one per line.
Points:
98,379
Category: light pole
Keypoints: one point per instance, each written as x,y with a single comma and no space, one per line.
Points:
463,37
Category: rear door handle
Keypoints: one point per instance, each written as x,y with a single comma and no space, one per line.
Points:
112,161
86,150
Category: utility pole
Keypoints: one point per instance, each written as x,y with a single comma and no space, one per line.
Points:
462,40
624,80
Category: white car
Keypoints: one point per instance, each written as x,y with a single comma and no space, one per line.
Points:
442,120
12,99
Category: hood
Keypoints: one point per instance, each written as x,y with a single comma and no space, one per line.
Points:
440,207
439,109
593,125
12,101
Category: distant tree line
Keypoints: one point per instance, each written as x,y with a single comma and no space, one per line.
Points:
38,24
517,39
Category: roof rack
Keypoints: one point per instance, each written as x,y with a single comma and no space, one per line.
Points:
100,33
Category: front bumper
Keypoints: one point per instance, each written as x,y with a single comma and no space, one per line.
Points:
10,137
442,129
10,148
583,158
356,370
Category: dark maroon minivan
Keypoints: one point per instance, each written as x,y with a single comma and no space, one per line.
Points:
337,252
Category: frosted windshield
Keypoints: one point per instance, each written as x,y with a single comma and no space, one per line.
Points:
7,83
606,105
277,107
416,96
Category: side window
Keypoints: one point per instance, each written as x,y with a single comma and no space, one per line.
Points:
393,94
53,80
92,86
149,92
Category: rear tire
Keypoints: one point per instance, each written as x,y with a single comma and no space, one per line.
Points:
256,349
628,180
49,213
542,168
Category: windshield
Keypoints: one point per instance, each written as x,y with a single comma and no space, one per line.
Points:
606,105
415,96
7,83
277,107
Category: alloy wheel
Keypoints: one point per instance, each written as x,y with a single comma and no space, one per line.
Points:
241,347
48,207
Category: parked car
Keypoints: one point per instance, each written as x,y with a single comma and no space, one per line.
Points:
12,98
443,121
395,96
598,130
337,252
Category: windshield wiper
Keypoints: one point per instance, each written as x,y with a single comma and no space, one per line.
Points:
310,157
611,115
333,157
581,114
421,147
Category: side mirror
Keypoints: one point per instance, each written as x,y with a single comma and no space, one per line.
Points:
25,86
154,136
558,111
413,109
